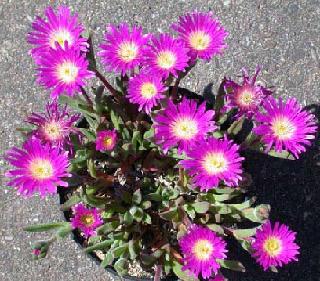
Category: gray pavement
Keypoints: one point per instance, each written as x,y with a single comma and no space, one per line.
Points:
282,35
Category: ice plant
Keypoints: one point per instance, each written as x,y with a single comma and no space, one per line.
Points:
247,96
156,179
201,247
38,168
86,219
106,140
63,71
146,91
275,246
203,35
183,125
55,126
285,126
166,55
58,28
122,49
212,161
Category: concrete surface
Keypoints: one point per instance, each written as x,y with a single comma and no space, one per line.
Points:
282,35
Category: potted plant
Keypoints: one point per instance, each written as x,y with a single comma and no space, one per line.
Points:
149,174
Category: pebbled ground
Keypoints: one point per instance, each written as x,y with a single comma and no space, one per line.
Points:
281,35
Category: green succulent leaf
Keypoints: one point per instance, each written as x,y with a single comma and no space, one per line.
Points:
231,264
108,227
46,226
108,259
201,207
121,250
99,246
284,154
137,197
183,275
137,213
258,214
244,233
128,218
121,266
73,200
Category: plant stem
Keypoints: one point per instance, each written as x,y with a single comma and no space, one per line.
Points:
89,101
175,88
158,272
106,83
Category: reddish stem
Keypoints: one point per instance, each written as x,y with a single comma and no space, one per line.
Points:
106,83
84,93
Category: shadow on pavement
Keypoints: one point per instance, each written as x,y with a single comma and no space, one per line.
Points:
292,188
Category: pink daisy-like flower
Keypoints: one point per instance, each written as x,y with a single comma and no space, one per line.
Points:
54,126
248,96
63,71
275,246
201,247
166,55
86,220
58,29
203,35
39,168
145,90
182,125
106,140
286,126
122,49
214,160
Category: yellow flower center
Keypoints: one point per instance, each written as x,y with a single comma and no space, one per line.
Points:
60,36
246,98
88,220
215,163
184,128
199,40
202,249
107,142
148,90
272,246
166,59
52,130
41,169
128,51
67,72
283,128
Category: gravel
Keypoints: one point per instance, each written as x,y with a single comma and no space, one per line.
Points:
281,35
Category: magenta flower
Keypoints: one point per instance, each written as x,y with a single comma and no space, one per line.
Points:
146,91
213,160
182,125
201,247
122,49
55,126
248,96
286,126
203,35
58,29
39,168
64,71
86,220
106,140
166,55
275,247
